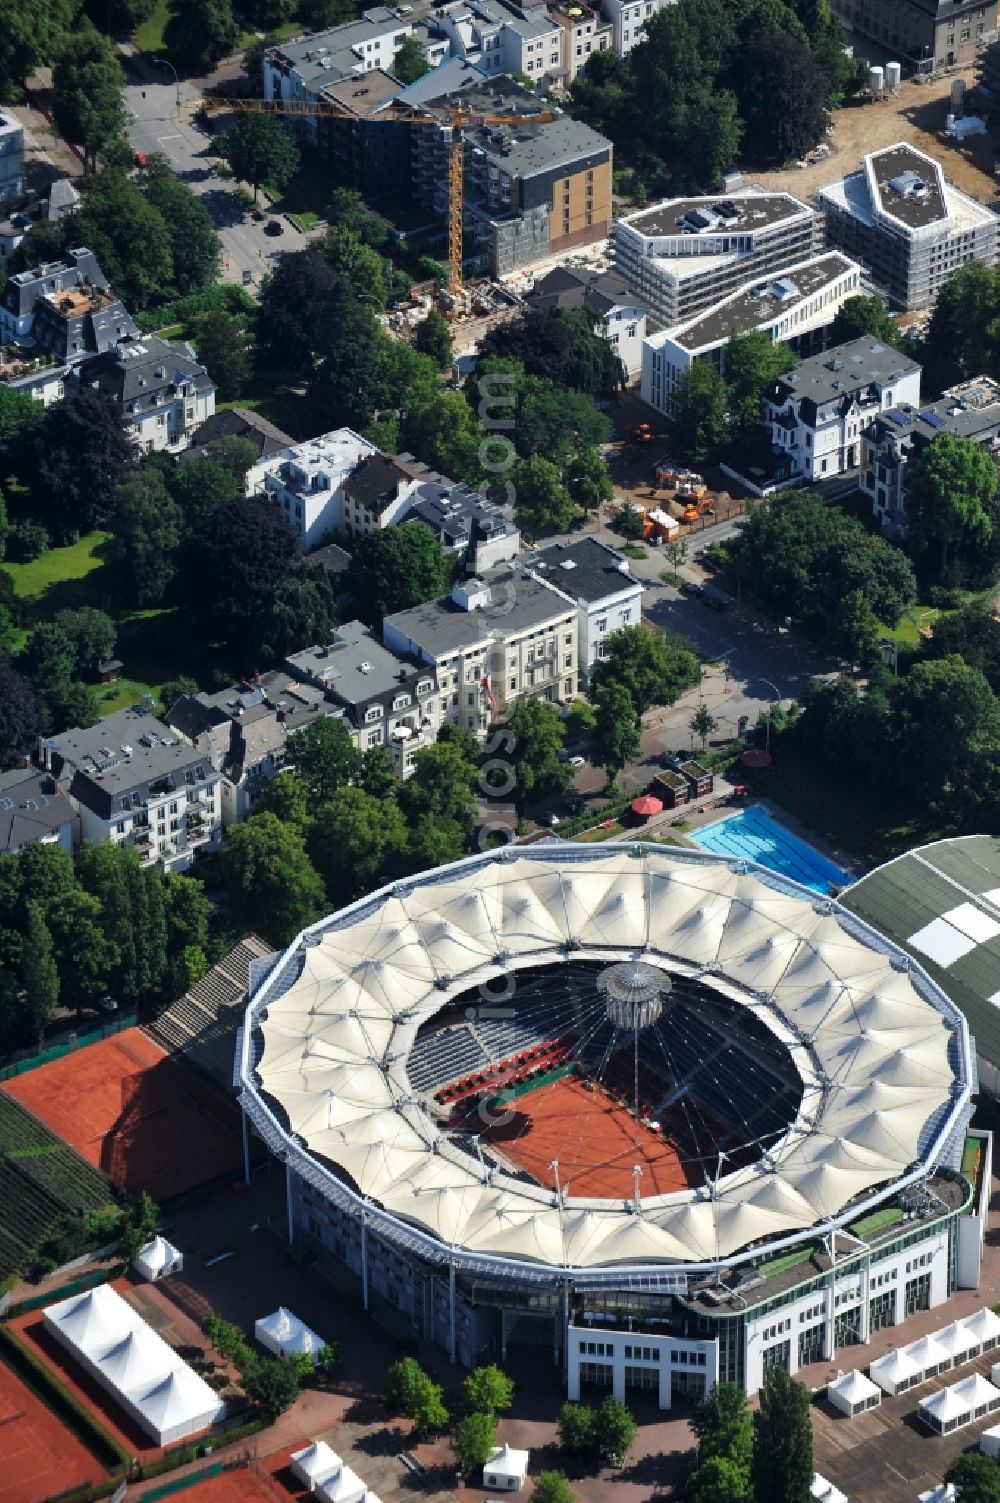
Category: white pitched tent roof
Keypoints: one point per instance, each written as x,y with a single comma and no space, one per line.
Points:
335,1042
927,1351
984,1325
957,1340
893,1369
315,1462
156,1256
342,1486
989,1441
976,1391
852,1389
283,1332
946,1405
142,1373
507,1462
825,1491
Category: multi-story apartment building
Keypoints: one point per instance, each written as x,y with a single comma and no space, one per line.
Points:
33,811
924,34
465,523
11,160
909,226
617,314
390,698
306,481
135,782
795,308
629,19
502,36
533,190
819,411
163,392
584,32
241,733
38,296
599,581
900,434
492,641
684,255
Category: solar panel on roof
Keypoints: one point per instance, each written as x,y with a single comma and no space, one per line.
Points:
895,416
932,419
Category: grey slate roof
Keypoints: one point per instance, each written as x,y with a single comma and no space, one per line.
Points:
77,268
31,808
122,758
237,422
904,896
355,667
142,367
581,287
518,603
845,368
585,569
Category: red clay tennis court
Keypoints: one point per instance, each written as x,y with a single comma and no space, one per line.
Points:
240,1485
39,1457
596,1142
142,1117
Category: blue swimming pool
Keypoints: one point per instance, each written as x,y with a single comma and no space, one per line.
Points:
754,835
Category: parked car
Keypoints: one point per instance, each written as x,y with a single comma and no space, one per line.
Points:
273,227
690,587
577,761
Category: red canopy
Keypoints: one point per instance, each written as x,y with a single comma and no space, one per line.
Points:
755,756
647,805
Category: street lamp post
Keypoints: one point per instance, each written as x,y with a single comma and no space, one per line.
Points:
777,697
164,62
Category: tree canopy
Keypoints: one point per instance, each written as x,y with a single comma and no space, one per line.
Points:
87,101
200,33
862,315
781,1467
394,568
271,884
260,150
532,738
950,487
654,667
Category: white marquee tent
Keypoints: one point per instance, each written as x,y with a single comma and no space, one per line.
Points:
287,1336
984,1325
506,1469
929,1355
945,1410
313,1464
981,1396
129,1360
895,1372
157,1259
342,1486
989,1441
853,1393
958,1341
825,1491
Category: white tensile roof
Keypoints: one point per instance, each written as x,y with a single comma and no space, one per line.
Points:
975,1391
282,1330
956,1339
894,1368
926,1352
139,1358
92,1322
342,1486
947,1404
875,1044
825,1491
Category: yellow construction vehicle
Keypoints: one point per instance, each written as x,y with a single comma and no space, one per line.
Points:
453,118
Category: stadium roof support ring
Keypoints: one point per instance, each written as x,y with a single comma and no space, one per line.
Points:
885,1089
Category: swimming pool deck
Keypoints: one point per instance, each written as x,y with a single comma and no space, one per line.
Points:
754,834
841,858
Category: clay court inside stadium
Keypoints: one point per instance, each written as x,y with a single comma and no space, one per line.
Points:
596,1141
141,1116
40,1457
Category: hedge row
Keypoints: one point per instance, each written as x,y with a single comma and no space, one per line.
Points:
228,297
64,1404
87,1492
183,1455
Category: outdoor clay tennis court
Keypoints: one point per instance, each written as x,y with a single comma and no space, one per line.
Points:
142,1117
241,1485
39,1457
595,1141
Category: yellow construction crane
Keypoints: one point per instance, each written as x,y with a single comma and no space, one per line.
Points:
455,118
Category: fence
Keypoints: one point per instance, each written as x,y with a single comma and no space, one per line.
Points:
178,1484
75,1286
23,1060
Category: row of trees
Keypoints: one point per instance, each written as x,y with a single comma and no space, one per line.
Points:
714,81
763,1458
596,1437
73,930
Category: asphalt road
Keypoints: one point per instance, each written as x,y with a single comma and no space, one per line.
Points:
158,124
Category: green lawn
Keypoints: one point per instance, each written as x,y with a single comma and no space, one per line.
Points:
907,633
878,1221
304,221
149,36
287,409
154,645
57,570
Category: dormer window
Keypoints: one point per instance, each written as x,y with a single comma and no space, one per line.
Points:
372,714
401,702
